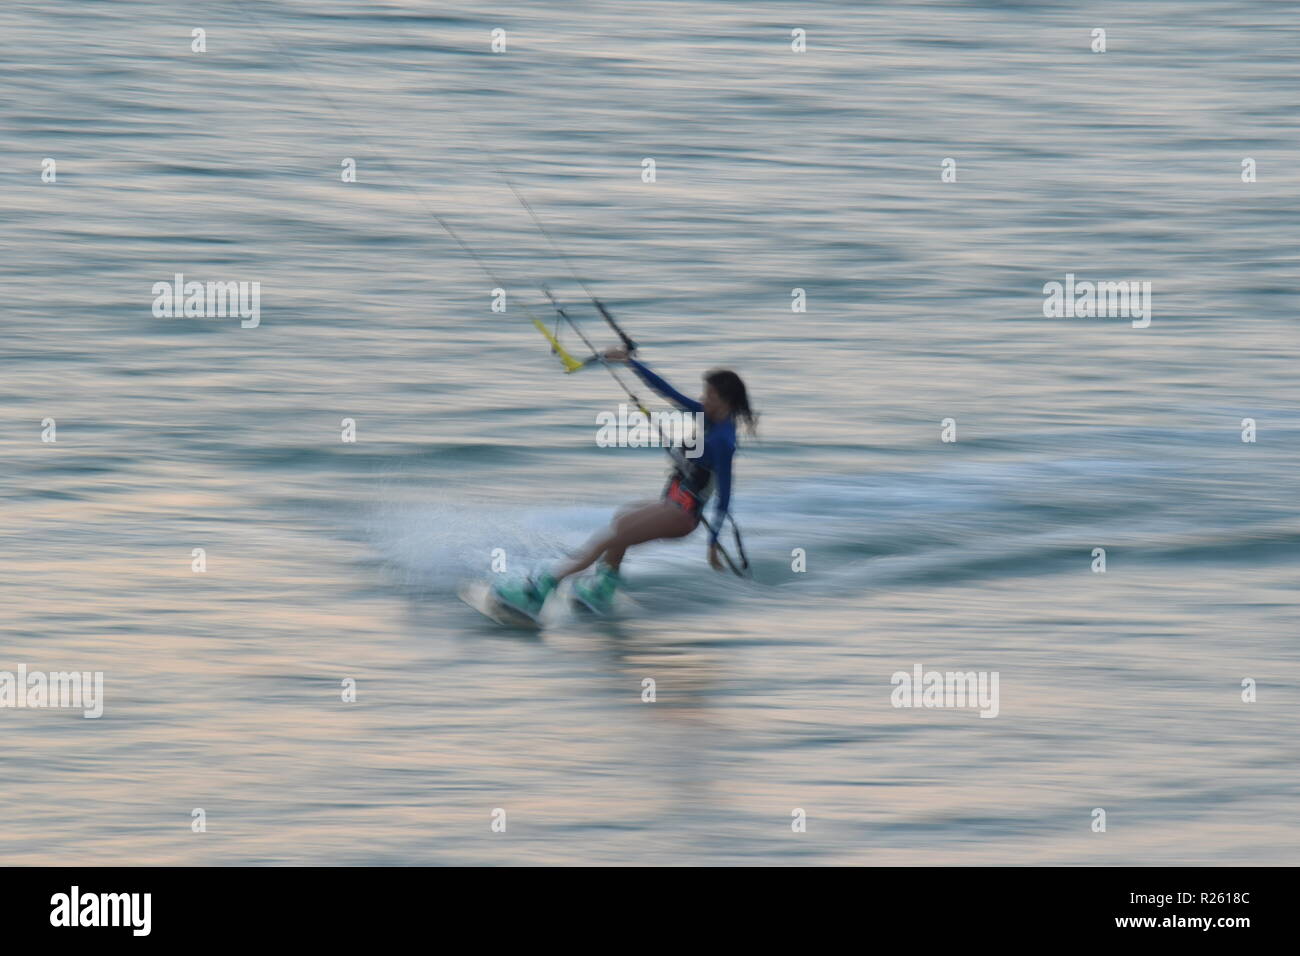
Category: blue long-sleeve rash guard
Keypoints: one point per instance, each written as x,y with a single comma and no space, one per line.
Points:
719,442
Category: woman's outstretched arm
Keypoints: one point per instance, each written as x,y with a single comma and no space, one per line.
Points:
663,388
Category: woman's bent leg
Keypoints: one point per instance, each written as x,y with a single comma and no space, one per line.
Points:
632,525
653,522
586,557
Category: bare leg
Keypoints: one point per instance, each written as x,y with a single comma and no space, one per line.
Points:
586,557
654,522
649,522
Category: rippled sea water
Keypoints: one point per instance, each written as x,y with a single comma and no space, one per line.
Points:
775,170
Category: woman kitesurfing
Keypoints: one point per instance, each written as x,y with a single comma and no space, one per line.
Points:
679,511
676,514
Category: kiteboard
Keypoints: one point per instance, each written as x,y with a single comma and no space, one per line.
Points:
479,596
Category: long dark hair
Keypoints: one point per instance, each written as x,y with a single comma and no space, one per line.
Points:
732,391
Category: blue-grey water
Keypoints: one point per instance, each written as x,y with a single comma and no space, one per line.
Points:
329,561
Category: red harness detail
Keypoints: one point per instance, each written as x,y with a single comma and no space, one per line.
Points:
681,497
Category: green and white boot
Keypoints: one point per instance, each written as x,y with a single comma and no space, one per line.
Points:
596,593
525,595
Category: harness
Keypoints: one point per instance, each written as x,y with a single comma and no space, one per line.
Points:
676,493
689,485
